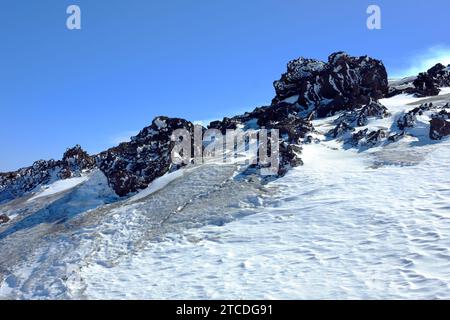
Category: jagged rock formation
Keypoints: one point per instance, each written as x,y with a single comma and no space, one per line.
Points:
3,218
282,116
74,161
425,84
408,120
15,184
131,166
358,117
310,88
128,167
440,125
342,83
368,139
439,121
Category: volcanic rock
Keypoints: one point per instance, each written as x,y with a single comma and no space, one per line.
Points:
342,83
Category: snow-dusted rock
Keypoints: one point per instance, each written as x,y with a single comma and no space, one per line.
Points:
74,161
129,167
3,218
342,83
440,125
15,184
366,138
133,165
285,117
425,84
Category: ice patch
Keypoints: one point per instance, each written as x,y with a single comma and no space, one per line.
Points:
59,186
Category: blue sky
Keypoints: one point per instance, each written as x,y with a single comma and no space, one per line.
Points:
198,59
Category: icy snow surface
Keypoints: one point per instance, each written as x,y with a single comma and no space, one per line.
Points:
335,228
59,186
338,227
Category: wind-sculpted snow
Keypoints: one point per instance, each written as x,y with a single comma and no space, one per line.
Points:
16,184
347,225
45,260
367,216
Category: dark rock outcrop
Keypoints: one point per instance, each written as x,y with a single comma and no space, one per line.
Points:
282,116
3,218
440,124
368,139
440,75
426,84
358,117
408,120
342,83
439,128
396,137
16,184
341,128
131,166
74,161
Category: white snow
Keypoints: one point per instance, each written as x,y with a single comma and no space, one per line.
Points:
158,184
346,225
59,186
336,228
161,124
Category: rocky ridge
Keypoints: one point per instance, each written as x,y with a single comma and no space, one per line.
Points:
426,84
346,86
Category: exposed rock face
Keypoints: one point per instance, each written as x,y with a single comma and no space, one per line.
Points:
408,120
74,161
341,128
440,75
368,139
282,116
128,167
425,84
342,83
3,218
131,166
16,184
358,117
314,88
440,125
439,128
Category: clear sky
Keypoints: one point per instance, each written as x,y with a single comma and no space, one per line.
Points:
197,59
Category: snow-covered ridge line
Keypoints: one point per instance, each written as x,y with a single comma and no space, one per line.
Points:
309,88
350,224
221,232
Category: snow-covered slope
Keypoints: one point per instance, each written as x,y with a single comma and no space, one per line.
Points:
373,224
367,216
351,223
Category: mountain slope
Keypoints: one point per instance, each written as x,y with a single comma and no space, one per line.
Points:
347,225
365,217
